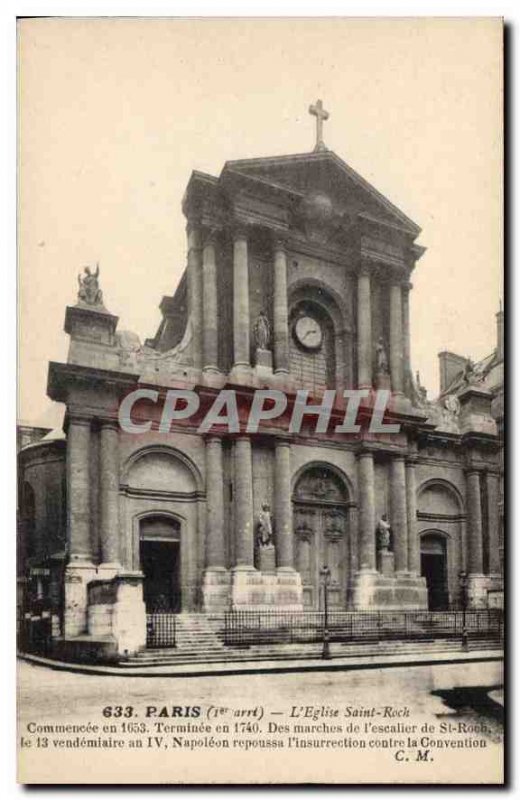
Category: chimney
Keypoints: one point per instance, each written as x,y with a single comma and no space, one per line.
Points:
450,365
500,334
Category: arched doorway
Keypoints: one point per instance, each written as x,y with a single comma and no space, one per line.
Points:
434,568
321,534
160,559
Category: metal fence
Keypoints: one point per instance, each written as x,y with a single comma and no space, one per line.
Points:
244,628
161,629
35,633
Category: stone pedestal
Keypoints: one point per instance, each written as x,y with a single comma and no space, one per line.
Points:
289,596
383,380
129,615
385,562
478,588
264,359
385,592
267,559
77,577
252,590
247,589
216,586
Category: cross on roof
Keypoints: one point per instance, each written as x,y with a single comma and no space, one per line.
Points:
321,115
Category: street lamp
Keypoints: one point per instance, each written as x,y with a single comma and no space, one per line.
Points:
325,580
463,577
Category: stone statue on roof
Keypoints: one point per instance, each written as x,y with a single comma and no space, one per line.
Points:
89,291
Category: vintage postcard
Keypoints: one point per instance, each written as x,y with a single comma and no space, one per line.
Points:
260,535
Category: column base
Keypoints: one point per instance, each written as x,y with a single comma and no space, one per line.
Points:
213,377
478,588
252,590
401,590
242,374
129,615
216,587
78,575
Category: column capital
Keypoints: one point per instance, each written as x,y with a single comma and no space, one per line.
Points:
209,235
239,229
282,441
279,240
108,422
365,451
212,438
193,224
472,470
365,269
77,418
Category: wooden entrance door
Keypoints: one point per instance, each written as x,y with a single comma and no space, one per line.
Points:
321,540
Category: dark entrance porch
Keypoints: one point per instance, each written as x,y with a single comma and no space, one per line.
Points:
434,569
160,558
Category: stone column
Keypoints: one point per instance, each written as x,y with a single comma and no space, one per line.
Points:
216,581
80,568
366,516
283,506
399,513
240,299
195,291
493,522
364,331
414,560
396,338
281,314
78,489
477,584
407,369
210,301
109,493
474,514
215,551
243,502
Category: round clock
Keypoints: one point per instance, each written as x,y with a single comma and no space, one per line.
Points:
308,333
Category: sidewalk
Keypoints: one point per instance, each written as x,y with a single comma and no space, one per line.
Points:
340,664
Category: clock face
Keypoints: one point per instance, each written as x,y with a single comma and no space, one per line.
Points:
308,333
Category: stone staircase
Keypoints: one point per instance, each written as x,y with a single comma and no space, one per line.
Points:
199,641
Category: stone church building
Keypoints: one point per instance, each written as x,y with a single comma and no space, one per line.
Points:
298,275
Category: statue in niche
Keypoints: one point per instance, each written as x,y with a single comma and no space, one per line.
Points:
264,528
384,534
262,331
89,291
381,357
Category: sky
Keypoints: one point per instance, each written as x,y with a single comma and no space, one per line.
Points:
115,114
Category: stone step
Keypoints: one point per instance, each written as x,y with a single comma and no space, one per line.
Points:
172,656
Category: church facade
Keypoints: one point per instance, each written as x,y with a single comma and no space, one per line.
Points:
298,276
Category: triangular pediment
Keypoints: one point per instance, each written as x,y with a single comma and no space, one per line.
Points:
324,172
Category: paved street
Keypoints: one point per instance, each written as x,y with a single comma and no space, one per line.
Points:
47,696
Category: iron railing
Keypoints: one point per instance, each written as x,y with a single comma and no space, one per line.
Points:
35,633
243,628
161,629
